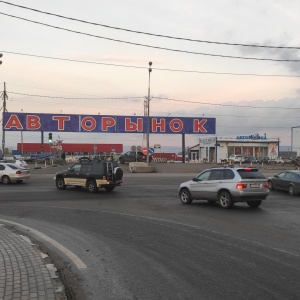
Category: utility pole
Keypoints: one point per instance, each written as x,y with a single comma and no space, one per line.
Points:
148,114
4,96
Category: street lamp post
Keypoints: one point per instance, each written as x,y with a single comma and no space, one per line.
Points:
292,137
148,114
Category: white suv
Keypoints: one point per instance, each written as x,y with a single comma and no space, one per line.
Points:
226,186
236,158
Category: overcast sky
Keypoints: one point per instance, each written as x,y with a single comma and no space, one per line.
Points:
247,89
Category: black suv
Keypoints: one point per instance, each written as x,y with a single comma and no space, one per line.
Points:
132,156
92,174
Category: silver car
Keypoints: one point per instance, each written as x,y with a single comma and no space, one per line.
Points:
18,162
12,173
226,186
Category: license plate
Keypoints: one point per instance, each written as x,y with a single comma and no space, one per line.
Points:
255,185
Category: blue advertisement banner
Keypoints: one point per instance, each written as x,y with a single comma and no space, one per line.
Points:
106,123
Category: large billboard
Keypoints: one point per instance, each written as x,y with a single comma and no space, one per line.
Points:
105,123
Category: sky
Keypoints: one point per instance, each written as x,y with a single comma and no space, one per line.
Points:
237,61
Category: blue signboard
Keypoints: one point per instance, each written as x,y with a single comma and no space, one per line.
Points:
106,123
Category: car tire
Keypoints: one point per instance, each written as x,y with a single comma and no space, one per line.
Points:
291,190
92,186
5,179
121,160
109,188
254,204
118,173
185,196
60,183
225,200
271,185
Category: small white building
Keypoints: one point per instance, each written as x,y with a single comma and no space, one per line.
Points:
215,149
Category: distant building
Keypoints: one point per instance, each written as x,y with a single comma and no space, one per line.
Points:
214,149
70,148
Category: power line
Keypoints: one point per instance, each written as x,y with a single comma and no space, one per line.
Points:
160,98
158,69
225,105
149,46
82,98
152,34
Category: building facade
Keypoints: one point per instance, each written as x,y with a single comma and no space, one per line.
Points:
215,149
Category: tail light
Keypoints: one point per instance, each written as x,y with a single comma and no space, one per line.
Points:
266,185
18,172
241,186
104,178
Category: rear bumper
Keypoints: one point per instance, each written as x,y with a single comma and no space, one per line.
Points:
247,198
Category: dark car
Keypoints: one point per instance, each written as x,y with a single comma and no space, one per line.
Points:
132,156
92,174
287,181
264,160
250,159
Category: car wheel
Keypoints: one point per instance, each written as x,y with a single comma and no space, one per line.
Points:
121,160
92,186
292,190
60,183
185,196
5,179
109,188
118,173
225,200
254,203
271,185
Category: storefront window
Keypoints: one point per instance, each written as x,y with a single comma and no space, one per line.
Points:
230,150
237,150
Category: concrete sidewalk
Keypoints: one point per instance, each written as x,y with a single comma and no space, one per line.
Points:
25,272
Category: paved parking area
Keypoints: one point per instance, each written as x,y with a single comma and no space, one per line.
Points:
166,168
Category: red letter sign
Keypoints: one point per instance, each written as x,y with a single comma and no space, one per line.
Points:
130,126
61,121
13,121
198,126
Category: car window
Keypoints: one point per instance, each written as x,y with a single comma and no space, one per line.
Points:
76,167
281,175
98,169
2,167
253,174
13,167
289,176
215,174
204,175
227,174
86,168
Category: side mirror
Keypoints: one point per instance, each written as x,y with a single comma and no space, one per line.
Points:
196,179
276,176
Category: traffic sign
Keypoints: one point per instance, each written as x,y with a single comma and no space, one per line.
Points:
145,150
151,150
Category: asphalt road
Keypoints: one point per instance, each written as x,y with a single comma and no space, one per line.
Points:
140,242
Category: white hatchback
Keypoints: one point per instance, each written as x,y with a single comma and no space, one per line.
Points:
12,173
18,162
236,158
